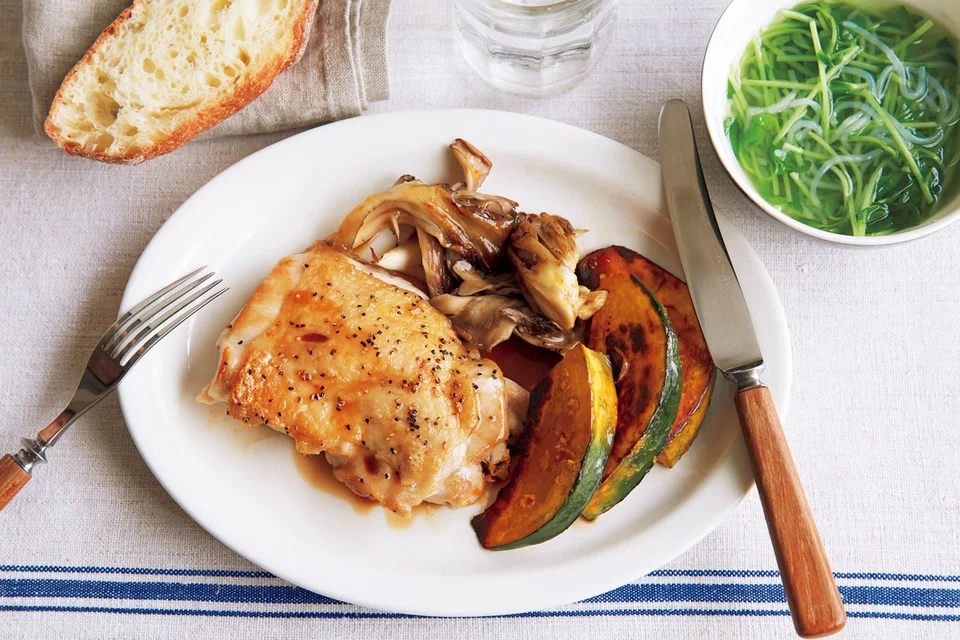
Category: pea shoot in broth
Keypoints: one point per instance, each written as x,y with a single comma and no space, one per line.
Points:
845,118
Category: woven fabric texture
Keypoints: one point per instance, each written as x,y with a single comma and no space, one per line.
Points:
94,547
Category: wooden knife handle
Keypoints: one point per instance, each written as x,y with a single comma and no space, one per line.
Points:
12,479
811,590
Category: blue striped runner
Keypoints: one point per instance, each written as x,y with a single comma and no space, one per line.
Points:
680,592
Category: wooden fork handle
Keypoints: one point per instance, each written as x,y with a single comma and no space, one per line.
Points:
811,590
12,479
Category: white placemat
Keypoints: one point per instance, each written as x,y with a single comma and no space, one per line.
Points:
872,422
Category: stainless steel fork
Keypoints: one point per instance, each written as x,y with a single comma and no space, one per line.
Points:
120,348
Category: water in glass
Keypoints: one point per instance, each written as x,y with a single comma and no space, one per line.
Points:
533,47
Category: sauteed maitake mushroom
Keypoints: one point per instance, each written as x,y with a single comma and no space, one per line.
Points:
493,270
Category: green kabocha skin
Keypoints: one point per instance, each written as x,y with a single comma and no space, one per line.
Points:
561,456
699,372
650,385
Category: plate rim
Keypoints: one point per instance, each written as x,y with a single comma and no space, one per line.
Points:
567,595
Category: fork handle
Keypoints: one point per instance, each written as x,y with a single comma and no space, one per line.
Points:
12,479
809,584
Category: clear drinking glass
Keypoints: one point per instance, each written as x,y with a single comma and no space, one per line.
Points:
533,47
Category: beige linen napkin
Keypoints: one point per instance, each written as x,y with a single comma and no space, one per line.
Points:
343,68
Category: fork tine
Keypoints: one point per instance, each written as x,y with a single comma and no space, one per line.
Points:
136,355
112,331
122,336
133,341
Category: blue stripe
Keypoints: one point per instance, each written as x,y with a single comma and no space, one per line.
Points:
137,571
198,591
715,573
901,596
684,592
659,573
761,573
538,614
903,577
288,594
653,592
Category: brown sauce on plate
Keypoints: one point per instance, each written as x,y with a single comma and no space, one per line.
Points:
318,473
399,523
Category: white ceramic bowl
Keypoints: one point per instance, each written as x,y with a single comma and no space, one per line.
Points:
743,20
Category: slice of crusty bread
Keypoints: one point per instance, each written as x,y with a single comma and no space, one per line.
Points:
165,70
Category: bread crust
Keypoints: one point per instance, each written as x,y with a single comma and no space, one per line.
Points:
243,94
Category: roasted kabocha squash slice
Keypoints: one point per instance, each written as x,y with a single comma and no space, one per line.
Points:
699,373
560,457
633,329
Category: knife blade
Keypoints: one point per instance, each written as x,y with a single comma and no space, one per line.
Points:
808,582
714,288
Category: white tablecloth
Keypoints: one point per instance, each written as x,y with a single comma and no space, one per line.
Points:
873,423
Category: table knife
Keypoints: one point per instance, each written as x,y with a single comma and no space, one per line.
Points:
811,591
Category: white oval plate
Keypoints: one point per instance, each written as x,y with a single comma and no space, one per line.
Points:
240,483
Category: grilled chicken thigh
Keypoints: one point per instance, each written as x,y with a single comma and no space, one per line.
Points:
370,374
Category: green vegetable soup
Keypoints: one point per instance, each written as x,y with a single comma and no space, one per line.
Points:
845,118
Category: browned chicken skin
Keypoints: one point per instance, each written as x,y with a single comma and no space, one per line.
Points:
373,376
